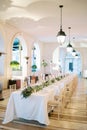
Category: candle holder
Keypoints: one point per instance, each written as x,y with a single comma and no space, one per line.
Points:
26,59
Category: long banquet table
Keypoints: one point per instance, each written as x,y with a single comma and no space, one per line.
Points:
35,106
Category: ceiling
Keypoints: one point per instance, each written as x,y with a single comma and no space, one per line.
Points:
41,18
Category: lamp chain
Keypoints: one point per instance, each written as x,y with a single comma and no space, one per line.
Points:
61,6
69,33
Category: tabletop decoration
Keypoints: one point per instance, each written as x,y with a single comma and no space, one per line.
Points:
38,88
58,78
27,92
46,83
52,80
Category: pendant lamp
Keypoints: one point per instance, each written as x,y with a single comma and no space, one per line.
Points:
69,46
61,34
73,52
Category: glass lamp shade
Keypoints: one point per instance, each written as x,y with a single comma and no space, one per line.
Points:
76,56
73,52
69,48
61,36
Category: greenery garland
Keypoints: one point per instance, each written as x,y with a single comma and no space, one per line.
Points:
29,90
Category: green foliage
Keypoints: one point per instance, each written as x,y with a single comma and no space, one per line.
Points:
34,67
27,92
44,63
59,78
38,88
53,80
15,65
46,83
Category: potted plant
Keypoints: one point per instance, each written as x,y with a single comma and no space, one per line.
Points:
16,69
34,67
44,63
15,65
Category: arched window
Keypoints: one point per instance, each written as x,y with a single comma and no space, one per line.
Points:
19,52
16,51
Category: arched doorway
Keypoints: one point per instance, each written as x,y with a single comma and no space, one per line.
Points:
73,63
66,61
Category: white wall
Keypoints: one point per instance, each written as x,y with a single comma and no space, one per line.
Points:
83,52
46,50
9,33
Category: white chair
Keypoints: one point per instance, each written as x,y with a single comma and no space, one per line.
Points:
68,92
12,87
56,105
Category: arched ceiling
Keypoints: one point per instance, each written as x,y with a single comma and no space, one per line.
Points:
41,18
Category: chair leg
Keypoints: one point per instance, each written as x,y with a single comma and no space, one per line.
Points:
13,86
58,114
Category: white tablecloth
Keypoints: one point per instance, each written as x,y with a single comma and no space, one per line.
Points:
35,106
32,108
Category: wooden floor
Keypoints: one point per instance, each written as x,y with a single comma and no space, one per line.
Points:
74,115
